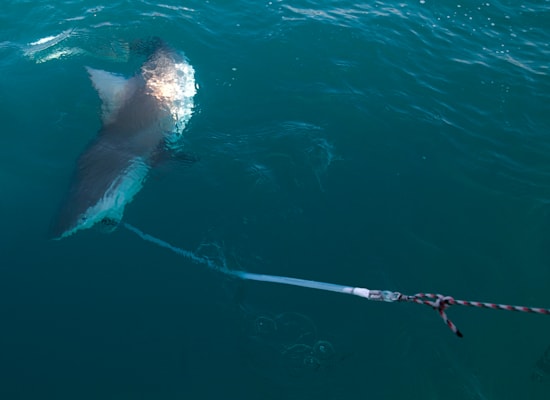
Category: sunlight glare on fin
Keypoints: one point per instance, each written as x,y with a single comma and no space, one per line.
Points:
113,89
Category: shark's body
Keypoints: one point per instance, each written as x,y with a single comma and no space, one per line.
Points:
142,118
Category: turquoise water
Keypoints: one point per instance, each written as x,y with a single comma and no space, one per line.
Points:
400,146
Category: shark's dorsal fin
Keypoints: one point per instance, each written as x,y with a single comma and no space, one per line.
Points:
113,90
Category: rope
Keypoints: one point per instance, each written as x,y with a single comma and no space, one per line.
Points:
440,305
442,302
438,302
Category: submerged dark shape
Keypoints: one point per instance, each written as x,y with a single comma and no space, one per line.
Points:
541,371
143,117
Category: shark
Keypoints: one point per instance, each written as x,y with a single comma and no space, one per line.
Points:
143,119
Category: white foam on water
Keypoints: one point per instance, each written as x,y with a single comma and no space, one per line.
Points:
173,85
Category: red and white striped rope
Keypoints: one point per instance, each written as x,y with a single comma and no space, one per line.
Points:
441,303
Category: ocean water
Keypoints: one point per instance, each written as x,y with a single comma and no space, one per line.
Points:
391,145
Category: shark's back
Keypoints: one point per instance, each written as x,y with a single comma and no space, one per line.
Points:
141,116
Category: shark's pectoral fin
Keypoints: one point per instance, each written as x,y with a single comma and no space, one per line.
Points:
187,159
178,158
113,90
162,155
